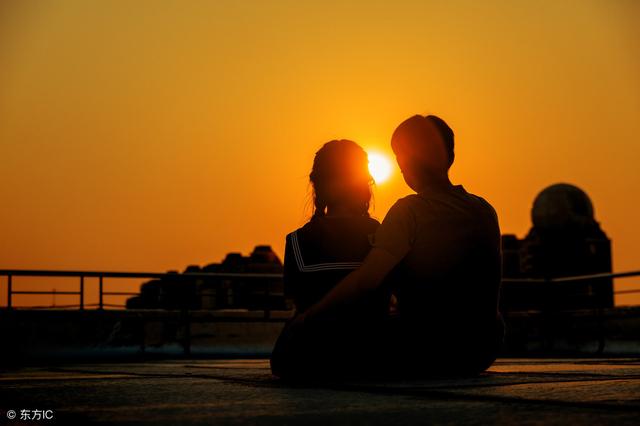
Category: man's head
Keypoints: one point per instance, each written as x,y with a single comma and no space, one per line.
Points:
424,149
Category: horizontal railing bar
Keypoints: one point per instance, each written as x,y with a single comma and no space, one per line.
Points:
575,278
627,291
46,292
597,276
113,274
524,280
69,306
47,307
119,293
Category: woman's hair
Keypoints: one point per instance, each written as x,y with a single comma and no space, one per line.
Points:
340,176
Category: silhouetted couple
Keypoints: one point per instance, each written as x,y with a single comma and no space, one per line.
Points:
436,255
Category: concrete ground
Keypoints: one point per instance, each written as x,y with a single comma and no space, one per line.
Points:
193,392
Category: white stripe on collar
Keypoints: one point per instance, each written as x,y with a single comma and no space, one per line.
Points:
318,266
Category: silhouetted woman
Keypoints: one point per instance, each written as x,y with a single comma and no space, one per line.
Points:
318,255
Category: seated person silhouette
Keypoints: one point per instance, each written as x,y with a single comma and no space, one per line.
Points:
441,246
321,253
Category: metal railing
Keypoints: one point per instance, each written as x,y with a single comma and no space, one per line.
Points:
186,317
598,311
576,278
101,275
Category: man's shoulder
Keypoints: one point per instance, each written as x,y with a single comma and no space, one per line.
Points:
403,207
482,204
408,201
481,200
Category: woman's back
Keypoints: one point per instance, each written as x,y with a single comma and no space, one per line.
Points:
322,252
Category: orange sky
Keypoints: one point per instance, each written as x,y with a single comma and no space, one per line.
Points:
152,135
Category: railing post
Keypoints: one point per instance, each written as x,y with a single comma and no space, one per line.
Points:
548,315
601,330
81,292
186,321
9,291
100,304
267,309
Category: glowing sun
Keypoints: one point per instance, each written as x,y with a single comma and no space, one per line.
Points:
379,167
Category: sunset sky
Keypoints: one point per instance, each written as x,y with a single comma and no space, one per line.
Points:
150,135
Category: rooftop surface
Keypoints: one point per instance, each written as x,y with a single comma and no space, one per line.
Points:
193,392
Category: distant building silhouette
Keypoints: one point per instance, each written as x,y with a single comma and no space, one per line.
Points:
218,293
565,240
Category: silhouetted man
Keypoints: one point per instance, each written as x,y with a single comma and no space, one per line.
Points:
440,248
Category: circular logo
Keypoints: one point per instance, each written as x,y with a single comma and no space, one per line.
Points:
11,414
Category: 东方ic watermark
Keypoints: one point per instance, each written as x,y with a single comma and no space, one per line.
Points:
31,415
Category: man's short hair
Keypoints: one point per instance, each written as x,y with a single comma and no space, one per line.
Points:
417,136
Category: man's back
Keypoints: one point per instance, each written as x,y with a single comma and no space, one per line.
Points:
449,241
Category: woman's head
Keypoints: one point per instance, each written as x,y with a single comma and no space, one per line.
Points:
340,178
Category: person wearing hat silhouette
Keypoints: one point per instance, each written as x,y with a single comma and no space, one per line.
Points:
440,247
